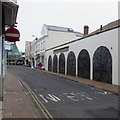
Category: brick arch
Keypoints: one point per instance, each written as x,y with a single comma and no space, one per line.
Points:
84,64
62,63
55,62
102,65
71,64
50,63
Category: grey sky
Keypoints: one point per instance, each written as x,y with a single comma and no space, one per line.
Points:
65,13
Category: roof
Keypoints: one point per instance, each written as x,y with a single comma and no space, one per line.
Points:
110,25
63,29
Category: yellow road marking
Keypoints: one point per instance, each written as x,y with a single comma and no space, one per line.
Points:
48,115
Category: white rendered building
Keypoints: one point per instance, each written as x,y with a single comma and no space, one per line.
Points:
94,56
52,36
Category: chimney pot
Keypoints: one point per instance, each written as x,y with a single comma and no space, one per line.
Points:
100,27
86,30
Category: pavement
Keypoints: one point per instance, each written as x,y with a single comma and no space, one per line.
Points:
17,104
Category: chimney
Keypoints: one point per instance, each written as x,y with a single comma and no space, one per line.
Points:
100,27
86,30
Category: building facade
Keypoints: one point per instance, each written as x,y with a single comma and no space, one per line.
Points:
94,56
52,36
33,53
28,53
8,13
40,51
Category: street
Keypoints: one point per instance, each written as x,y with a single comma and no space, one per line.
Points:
64,98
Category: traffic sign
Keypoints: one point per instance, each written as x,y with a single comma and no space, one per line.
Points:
12,35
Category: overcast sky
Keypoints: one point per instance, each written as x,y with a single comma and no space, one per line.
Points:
32,14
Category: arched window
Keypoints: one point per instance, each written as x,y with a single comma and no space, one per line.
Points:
50,63
102,65
84,64
62,63
55,63
71,64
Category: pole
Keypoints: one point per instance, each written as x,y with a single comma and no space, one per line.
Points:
1,68
1,52
2,47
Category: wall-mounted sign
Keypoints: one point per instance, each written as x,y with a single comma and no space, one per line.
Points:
12,35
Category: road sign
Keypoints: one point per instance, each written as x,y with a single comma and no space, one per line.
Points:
12,35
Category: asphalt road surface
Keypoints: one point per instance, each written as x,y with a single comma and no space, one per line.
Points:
64,98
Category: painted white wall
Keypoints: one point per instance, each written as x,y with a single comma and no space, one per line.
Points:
108,39
27,50
119,45
44,31
40,49
119,56
56,38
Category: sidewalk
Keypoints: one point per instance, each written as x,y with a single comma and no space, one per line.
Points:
100,85
16,103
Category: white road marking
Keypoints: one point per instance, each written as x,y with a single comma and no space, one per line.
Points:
72,98
52,98
43,98
86,97
56,97
89,98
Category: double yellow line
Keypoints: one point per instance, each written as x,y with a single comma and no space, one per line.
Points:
36,99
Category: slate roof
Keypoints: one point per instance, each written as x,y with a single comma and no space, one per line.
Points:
63,29
110,25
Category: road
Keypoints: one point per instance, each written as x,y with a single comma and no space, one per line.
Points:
64,98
